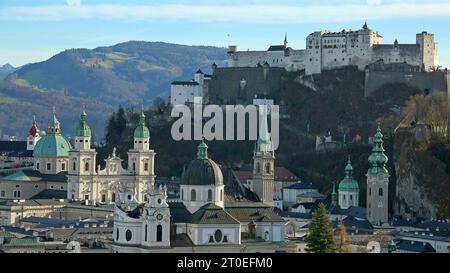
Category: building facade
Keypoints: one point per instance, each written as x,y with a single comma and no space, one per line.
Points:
328,50
348,189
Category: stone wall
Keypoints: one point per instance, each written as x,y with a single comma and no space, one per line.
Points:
428,82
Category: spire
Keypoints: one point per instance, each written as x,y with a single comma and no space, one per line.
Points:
334,195
83,129
264,143
141,130
202,150
34,130
365,25
349,169
285,40
53,124
378,158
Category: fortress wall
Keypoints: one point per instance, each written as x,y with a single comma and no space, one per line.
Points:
241,84
427,82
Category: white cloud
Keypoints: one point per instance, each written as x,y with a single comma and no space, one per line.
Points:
244,13
73,3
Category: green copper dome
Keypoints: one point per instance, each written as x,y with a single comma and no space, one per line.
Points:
348,183
202,170
53,144
378,158
83,129
141,131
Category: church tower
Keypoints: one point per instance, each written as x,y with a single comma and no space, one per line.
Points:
156,226
82,163
263,162
348,189
377,183
34,136
141,160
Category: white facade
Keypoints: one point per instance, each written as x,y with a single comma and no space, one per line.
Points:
184,92
348,199
328,50
196,196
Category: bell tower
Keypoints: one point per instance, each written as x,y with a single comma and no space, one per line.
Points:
82,162
141,159
34,136
377,183
263,161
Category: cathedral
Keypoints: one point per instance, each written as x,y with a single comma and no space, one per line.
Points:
204,218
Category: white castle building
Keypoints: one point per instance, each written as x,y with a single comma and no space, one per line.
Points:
328,50
184,92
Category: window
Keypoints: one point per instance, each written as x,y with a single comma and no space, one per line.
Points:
49,166
86,166
128,235
221,195
145,235
351,197
113,197
380,192
193,195
225,239
134,166
16,194
211,239
268,169
63,166
74,166
218,236
370,191
37,166
145,166
117,235
159,233
258,167
182,194
86,197
103,198
2,194
209,195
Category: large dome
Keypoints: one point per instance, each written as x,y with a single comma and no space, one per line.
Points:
202,170
52,146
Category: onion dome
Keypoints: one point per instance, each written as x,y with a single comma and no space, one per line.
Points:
83,129
141,131
202,171
378,159
53,144
348,183
365,27
34,131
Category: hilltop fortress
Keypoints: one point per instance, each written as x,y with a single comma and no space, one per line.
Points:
328,50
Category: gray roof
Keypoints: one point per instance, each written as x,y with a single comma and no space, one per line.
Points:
302,186
32,175
185,83
212,214
412,246
50,194
254,213
277,48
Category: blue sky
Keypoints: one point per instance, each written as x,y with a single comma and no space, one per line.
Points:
34,30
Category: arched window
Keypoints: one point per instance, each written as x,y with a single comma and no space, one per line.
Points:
113,197
209,195
268,169
258,167
63,166
37,166
159,231
370,191
74,166
351,197
145,235
380,192
2,194
146,166
117,235
134,166
182,194
86,166
128,235
221,195
193,195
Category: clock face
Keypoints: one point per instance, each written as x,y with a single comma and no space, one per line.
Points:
159,217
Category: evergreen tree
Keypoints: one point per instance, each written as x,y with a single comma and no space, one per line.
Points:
320,238
343,240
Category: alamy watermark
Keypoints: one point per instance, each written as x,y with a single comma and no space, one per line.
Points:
234,118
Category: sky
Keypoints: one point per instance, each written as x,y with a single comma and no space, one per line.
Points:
35,30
